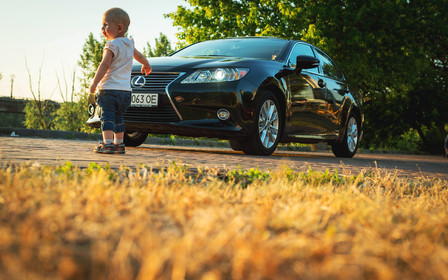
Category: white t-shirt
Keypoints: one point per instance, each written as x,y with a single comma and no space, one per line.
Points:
118,76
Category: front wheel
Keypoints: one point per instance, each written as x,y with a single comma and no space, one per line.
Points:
236,144
134,139
349,145
268,128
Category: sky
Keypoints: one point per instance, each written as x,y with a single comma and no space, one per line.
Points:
50,34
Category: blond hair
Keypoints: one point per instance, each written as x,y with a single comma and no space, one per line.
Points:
118,16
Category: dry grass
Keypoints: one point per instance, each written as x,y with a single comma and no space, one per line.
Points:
97,223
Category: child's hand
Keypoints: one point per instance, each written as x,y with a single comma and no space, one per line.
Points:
91,98
146,69
93,88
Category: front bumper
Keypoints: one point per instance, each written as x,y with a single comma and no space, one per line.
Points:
190,109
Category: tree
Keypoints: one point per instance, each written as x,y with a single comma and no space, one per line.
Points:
39,114
229,18
72,116
162,48
1,76
90,59
394,52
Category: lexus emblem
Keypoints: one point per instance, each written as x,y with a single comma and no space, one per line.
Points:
138,81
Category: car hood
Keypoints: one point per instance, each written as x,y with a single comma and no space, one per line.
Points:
184,64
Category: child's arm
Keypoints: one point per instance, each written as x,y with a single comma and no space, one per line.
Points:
102,69
146,68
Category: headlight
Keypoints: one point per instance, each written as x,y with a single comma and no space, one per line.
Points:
216,75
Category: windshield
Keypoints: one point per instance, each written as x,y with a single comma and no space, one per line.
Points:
260,48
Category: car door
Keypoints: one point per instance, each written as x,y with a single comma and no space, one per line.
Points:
306,97
336,89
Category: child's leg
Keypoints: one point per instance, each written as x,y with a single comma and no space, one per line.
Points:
125,99
108,136
118,138
106,101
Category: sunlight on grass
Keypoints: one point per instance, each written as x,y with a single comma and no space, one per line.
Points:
101,223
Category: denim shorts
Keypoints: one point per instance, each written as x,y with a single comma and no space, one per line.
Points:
113,105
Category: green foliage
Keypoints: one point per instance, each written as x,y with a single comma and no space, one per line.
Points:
67,116
39,114
68,170
246,177
315,178
72,116
211,20
162,47
95,167
394,52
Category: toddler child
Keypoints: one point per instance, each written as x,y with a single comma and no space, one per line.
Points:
113,80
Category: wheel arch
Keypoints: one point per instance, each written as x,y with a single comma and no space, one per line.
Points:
349,106
275,87
357,112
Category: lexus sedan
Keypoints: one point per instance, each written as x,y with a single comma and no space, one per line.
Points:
255,92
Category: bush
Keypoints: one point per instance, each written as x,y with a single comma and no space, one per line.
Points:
72,116
39,114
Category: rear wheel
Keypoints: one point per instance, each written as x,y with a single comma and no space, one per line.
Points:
269,124
349,145
134,139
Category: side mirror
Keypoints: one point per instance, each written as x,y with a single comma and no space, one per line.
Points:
306,62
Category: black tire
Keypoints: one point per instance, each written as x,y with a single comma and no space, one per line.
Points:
349,145
134,139
268,126
236,144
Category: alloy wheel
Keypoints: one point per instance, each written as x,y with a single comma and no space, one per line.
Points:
352,134
268,124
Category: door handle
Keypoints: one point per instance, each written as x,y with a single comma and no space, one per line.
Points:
321,83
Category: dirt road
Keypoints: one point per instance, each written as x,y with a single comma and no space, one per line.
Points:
19,150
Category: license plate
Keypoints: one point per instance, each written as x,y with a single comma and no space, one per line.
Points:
145,100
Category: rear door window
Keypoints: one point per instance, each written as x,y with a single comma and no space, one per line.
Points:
328,67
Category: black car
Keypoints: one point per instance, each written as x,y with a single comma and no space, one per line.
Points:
253,91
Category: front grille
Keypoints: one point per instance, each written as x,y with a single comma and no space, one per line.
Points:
156,82
164,112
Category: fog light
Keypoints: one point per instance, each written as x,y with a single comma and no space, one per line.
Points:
91,109
223,114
